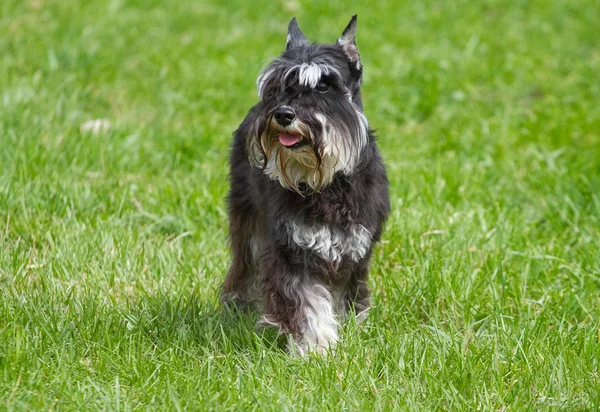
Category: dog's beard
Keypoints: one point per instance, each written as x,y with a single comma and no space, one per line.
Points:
315,162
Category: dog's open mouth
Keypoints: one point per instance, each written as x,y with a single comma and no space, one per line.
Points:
291,141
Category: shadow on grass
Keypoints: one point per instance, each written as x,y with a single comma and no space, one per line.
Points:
196,324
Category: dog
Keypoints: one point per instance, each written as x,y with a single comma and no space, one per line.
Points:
308,194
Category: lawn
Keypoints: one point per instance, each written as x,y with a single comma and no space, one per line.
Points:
113,241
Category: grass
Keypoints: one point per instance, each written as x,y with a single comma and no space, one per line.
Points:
113,244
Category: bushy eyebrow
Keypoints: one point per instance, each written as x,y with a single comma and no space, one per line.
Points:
307,74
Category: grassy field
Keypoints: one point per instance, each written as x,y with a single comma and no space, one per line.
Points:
113,243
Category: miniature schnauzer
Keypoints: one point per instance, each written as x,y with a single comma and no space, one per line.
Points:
309,194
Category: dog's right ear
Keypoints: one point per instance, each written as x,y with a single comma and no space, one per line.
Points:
295,38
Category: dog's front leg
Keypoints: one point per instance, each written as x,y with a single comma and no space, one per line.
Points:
299,305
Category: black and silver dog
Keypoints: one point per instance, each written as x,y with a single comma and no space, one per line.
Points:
309,193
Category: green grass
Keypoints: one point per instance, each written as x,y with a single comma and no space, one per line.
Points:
486,286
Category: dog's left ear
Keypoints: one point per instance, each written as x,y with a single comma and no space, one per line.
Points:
348,42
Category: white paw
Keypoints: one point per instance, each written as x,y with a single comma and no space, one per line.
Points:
305,346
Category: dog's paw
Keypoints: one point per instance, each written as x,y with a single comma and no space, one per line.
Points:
234,303
361,316
304,347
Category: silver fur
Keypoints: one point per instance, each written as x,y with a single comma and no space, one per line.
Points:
321,323
335,147
332,244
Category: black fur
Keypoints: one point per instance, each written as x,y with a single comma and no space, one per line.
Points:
268,265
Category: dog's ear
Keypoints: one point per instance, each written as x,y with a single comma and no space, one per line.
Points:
348,42
295,38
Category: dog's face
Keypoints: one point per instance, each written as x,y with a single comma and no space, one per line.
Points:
310,123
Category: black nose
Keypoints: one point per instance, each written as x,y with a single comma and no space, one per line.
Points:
284,115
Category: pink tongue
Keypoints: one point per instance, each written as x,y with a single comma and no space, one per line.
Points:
288,139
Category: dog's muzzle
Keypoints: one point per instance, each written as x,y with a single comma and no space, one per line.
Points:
287,136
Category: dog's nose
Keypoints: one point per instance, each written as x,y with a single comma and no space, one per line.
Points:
284,115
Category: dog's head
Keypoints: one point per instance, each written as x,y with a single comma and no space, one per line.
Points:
310,123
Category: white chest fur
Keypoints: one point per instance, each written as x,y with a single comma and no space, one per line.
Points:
332,244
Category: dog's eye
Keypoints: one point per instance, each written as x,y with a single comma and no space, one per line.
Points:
322,87
268,95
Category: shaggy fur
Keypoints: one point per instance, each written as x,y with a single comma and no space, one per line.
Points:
309,193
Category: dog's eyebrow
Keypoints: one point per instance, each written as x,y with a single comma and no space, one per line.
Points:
307,73
310,74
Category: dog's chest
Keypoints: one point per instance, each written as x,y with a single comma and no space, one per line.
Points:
330,243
